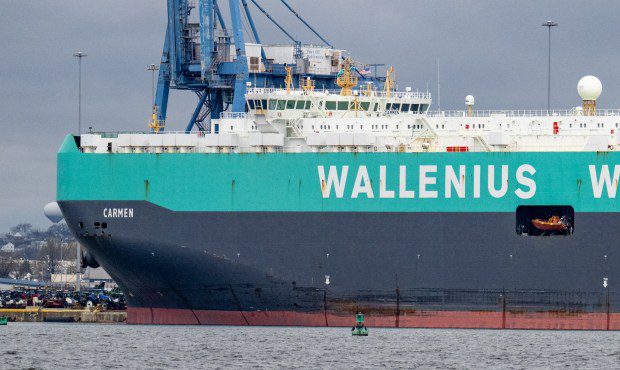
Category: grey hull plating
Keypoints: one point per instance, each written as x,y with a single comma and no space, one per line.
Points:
309,262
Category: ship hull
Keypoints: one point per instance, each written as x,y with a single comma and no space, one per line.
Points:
418,269
410,239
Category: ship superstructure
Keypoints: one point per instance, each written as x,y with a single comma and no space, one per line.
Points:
306,119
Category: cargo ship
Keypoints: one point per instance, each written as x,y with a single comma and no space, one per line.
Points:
315,204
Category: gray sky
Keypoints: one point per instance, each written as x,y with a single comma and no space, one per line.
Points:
495,50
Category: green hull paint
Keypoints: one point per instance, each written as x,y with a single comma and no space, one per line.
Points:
290,182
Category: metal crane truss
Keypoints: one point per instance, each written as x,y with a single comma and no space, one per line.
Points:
201,55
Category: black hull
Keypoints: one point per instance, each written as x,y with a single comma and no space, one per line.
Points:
386,264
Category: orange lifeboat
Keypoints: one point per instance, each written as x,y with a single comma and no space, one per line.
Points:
554,223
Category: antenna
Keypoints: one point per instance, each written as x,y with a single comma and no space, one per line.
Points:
549,24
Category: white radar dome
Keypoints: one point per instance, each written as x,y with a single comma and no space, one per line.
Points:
469,100
589,88
52,212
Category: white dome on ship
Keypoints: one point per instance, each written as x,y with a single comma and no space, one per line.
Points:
469,100
589,88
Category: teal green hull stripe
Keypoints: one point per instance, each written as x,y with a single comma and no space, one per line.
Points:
291,182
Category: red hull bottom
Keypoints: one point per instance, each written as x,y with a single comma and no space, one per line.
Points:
419,319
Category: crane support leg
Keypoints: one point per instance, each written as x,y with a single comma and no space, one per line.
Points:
207,21
253,27
241,63
163,81
220,18
192,121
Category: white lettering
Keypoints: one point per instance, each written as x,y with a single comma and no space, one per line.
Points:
118,212
476,181
333,179
526,181
598,183
362,176
427,180
457,182
383,192
402,184
491,182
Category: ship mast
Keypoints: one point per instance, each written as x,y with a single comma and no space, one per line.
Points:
345,79
389,82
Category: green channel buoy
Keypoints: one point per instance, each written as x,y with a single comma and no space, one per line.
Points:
359,329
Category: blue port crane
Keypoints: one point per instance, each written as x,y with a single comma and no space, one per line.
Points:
209,59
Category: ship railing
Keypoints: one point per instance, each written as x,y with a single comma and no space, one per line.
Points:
404,94
233,115
114,134
522,113
381,94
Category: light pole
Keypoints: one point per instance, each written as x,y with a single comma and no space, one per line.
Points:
78,253
549,24
79,55
153,68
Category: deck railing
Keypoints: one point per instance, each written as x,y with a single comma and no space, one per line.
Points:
381,94
522,113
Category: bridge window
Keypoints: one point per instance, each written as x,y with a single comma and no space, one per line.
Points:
330,105
364,105
388,106
415,107
423,108
251,104
308,104
395,106
273,104
290,104
405,108
281,104
300,104
343,105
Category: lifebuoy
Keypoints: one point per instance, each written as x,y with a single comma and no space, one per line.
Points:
329,114
279,114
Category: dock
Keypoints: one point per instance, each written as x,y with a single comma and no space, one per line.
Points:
36,314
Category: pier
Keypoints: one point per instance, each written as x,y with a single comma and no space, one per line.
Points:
36,314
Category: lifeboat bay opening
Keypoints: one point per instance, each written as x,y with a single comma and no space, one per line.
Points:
545,220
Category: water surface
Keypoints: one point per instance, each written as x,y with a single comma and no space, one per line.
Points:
46,345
